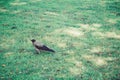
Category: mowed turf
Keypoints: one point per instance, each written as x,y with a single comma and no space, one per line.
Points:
84,33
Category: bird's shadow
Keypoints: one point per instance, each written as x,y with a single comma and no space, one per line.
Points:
32,51
41,52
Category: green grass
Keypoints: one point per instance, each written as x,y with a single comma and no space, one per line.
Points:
84,34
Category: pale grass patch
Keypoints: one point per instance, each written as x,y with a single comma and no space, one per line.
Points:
78,64
70,52
85,26
88,27
96,25
52,13
72,59
75,61
43,19
102,61
71,31
58,31
77,44
113,21
74,32
112,35
97,33
98,61
109,59
8,54
75,70
18,3
15,12
78,68
6,44
3,10
103,3
12,41
96,49
107,34
35,1
62,45
93,29
54,40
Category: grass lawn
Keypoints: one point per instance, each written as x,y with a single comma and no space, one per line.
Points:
84,33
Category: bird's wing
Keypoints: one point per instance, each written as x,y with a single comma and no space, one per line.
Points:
41,46
45,48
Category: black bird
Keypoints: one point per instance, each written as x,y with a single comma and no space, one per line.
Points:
39,46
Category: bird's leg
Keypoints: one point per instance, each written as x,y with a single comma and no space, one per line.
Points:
38,51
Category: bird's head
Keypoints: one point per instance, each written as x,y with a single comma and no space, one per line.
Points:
33,40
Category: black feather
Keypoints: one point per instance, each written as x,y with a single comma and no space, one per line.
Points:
44,48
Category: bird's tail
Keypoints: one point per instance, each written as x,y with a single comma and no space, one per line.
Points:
51,50
47,49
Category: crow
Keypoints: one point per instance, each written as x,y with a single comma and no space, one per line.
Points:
40,46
